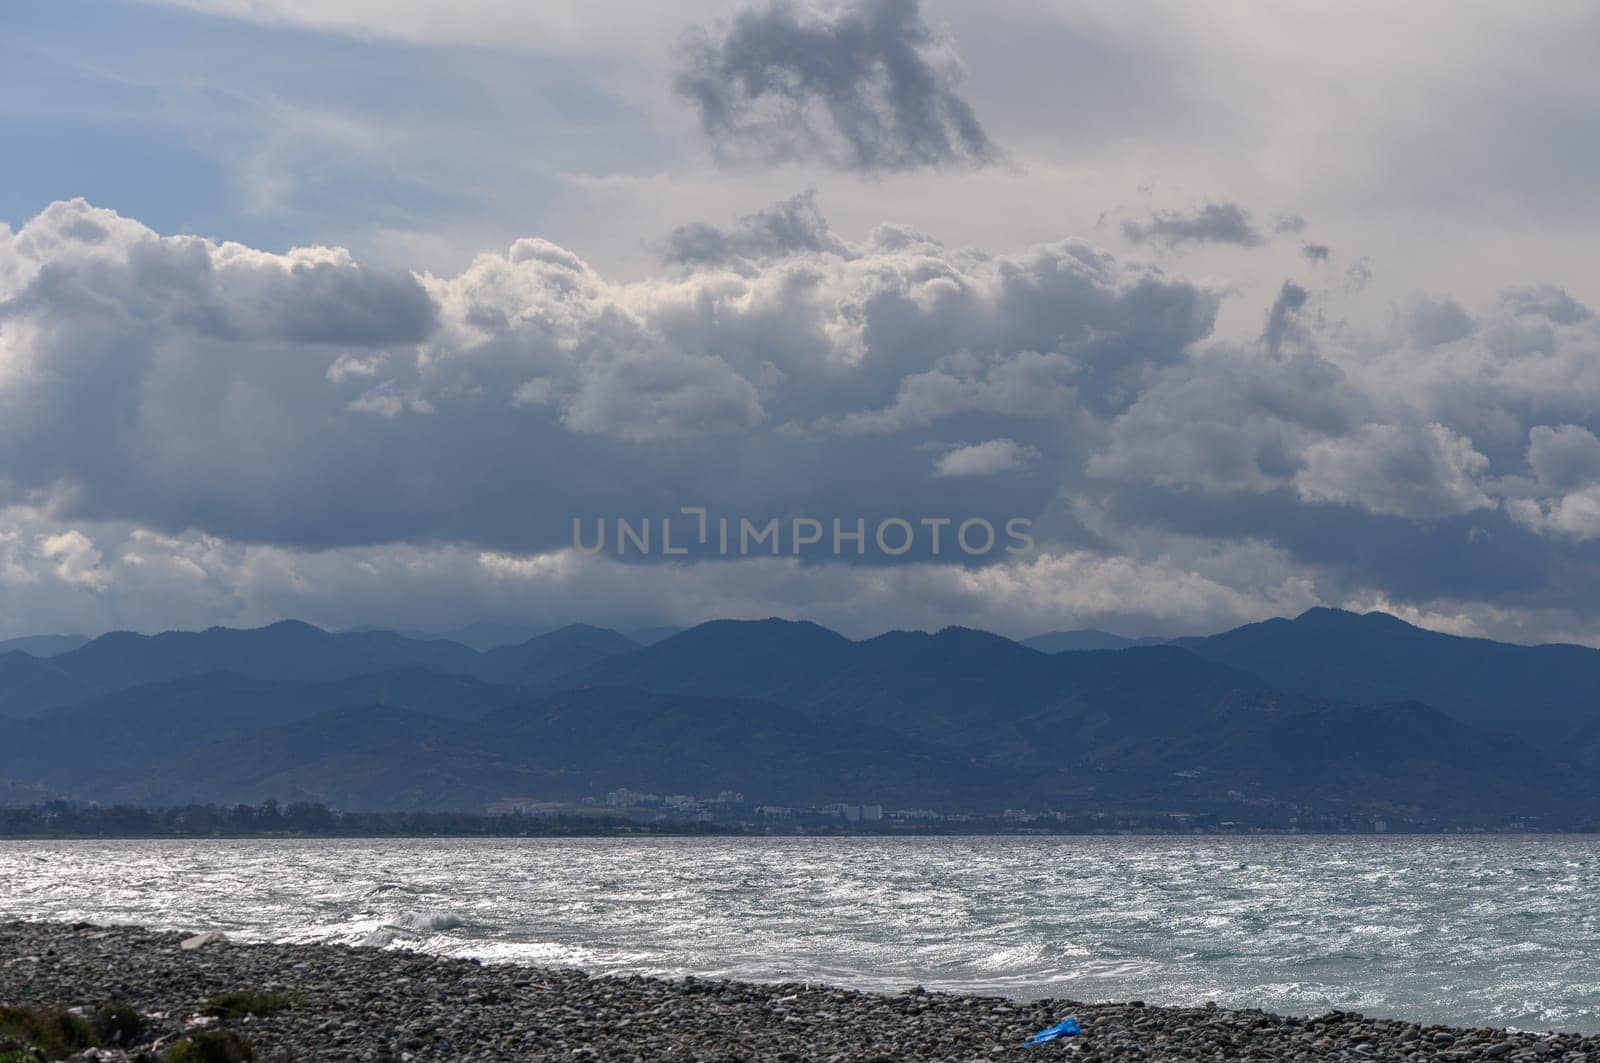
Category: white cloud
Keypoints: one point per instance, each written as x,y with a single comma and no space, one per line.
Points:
985,459
387,400
74,559
1575,515
1397,471
356,367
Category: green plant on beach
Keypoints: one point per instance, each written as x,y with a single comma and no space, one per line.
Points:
210,1046
238,1002
51,1034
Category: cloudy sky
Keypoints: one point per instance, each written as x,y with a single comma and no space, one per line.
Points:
345,310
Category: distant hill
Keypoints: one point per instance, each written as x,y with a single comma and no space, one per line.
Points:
1397,759
285,650
288,650
647,636
769,659
119,736
1372,761
957,685
486,635
42,645
1084,639
29,685
570,745
545,658
688,744
1328,714
1543,694
359,757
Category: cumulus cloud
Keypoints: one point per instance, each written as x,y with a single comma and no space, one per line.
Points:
529,389
1230,419
1575,515
74,558
663,397
1564,456
1026,385
869,86
1565,462
1395,470
225,292
1442,413
172,442
985,459
1214,223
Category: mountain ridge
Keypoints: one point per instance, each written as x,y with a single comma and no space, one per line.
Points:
1294,716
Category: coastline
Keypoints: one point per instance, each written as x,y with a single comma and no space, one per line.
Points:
345,1003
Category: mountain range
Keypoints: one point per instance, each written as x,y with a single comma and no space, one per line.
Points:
1329,714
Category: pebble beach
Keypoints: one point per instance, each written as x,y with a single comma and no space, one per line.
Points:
219,999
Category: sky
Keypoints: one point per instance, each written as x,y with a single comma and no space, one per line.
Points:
347,311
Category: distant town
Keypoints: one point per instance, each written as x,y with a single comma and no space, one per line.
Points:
629,812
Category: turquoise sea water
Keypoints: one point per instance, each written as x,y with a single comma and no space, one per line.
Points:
1469,930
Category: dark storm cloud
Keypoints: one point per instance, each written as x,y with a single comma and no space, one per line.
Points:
1215,223
870,86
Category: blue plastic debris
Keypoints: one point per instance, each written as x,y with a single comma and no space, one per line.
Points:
1064,1028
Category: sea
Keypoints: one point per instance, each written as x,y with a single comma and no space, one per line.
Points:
1466,930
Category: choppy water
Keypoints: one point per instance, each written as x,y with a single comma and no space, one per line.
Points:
1475,931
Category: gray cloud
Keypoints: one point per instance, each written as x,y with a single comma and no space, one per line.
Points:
794,225
1565,462
1565,456
1283,318
1548,302
1316,252
870,86
164,441
1434,322
1358,275
539,390
1214,223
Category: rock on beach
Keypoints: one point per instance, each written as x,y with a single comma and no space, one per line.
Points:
344,1003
